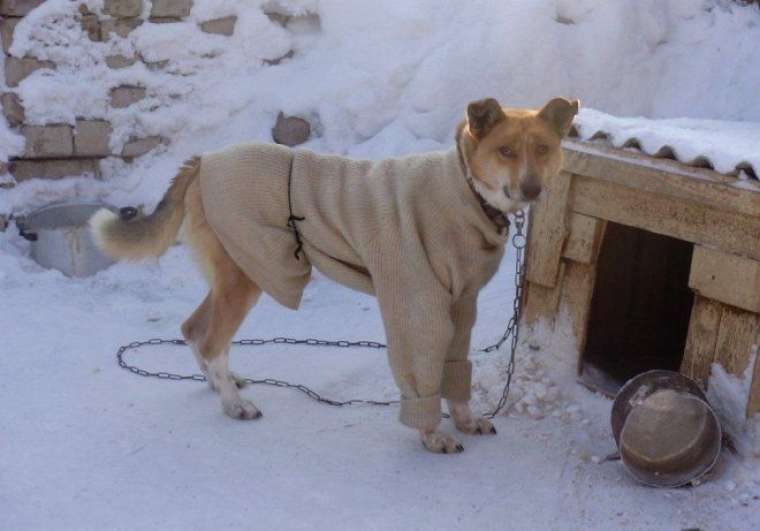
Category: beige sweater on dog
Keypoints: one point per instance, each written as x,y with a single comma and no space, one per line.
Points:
408,230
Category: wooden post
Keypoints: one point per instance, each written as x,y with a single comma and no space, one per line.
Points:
547,231
701,339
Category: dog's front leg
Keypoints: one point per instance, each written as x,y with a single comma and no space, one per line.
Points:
467,422
457,371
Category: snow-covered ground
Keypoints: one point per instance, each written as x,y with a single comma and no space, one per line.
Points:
86,445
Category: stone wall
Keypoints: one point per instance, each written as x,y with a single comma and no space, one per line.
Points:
59,150
56,150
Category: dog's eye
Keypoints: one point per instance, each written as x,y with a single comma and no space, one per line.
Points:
506,152
542,149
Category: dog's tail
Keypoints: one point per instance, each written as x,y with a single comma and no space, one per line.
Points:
131,235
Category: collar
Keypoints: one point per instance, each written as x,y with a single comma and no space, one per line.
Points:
496,216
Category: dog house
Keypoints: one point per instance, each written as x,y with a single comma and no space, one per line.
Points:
654,263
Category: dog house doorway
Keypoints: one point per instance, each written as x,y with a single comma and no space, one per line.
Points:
640,307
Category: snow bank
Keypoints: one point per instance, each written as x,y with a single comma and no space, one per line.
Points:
381,79
728,394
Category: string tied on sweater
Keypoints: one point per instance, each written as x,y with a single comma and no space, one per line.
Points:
293,219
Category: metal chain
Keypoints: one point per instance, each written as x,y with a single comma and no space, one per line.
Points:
512,331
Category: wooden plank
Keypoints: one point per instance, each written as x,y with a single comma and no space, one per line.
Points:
729,231
547,231
577,290
753,405
662,176
739,332
701,339
726,278
584,239
541,302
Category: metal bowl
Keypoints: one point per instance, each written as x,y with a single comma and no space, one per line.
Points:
665,430
61,238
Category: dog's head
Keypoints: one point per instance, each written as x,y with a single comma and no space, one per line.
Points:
512,152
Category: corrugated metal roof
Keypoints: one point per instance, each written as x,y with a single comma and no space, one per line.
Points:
729,148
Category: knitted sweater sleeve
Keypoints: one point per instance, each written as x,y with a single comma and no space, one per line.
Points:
457,372
416,311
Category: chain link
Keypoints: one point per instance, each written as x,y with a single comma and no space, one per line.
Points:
512,332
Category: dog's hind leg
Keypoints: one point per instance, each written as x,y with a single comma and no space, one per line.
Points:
232,296
211,327
193,330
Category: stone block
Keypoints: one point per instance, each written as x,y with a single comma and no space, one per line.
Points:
291,130
24,170
278,18
165,20
121,27
123,8
16,70
137,147
120,61
156,65
220,26
91,138
126,95
272,62
171,8
47,141
12,108
18,8
91,26
7,25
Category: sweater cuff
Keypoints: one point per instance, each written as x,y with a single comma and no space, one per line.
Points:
421,413
456,383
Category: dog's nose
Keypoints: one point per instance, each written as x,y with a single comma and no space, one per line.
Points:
530,190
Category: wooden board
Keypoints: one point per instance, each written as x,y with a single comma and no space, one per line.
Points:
731,232
584,238
726,278
577,291
701,339
753,406
547,231
739,331
662,177
542,302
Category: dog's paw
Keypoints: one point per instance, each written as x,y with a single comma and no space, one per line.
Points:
241,409
440,443
476,426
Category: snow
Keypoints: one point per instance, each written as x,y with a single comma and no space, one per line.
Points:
86,445
729,394
390,78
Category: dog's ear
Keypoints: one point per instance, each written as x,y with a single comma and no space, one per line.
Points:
560,112
483,115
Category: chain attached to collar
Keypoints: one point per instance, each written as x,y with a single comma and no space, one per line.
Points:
512,331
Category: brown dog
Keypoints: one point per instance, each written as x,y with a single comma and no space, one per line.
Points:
423,233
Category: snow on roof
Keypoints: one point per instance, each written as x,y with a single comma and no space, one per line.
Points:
730,148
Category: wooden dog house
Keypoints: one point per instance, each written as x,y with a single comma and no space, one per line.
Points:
655,263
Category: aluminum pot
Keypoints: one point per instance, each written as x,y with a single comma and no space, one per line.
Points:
665,430
60,238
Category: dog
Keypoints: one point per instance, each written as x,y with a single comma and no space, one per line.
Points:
423,233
